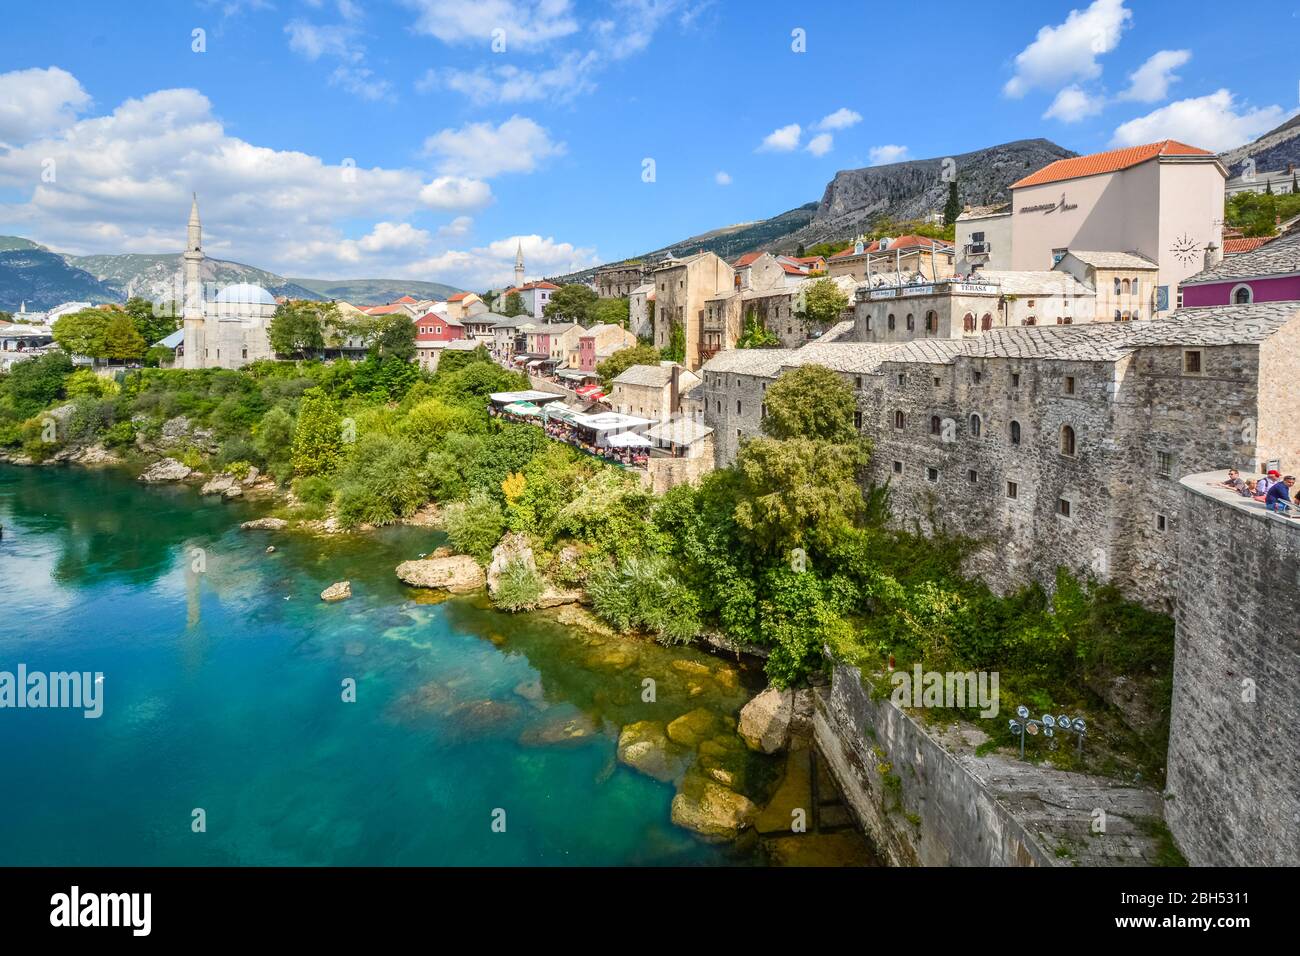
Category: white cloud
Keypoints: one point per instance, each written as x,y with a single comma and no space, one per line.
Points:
482,150
338,41
456,192
1073,104
782,140
493,265
458,227
1213,122
722,178
572,76
1069,51
842,118
1150,82
36,101
527,23
123,183
884,155
820,144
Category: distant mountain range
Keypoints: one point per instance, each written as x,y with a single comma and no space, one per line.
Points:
31,273
1273,152
857,198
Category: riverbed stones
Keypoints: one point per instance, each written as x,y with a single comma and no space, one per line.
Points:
339,591
222,484
765,720
167,469
693,728
458,574
265,524
712,810
561,729
644,746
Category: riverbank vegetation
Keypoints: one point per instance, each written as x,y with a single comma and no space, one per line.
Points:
784,551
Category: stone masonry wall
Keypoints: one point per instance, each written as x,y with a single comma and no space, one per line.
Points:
1233,783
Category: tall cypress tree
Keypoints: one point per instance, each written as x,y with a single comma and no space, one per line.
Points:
952,208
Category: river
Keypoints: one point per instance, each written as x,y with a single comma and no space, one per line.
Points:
475,737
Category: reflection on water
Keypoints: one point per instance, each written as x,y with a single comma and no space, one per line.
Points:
224,691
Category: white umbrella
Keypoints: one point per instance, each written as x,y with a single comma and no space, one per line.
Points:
628,440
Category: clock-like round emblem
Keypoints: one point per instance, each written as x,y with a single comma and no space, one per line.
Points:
1185,248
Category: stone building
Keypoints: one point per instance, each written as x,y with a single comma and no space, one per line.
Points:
1124,283
618,281
682,287
1056,446
651,391
600,342
984,238
640,305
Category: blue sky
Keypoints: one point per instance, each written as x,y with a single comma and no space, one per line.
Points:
425,138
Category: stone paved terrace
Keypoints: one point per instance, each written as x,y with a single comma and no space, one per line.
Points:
1210,484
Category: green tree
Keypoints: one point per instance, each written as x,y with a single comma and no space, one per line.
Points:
813,402
823,303
623,359
799,252
798,493
952,208
82,333
571,303
475,526
609,312
152,322
318,435
394,338
756,335
514,305
298,327
675,350
122,341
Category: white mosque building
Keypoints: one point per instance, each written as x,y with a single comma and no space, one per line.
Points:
230,329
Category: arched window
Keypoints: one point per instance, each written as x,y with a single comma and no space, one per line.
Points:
986,323
1032,320
1015,433
935,425
911,322
931,322
1125,287
1242,295
1117,286
976,426
891,321
898,419
1067,440
1117,315
968,323
1136,285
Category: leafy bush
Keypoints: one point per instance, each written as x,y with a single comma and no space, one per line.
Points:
475,526
382,481
520,587
85,382
314,490
643,594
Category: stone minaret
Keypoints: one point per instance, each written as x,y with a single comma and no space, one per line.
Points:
193,291
519,265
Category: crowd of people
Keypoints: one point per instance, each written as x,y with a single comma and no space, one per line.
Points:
1273,491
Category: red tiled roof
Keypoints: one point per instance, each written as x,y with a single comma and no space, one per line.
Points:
902,243
1109,162
384,309
458,296
1232,247
745,260
404,300
435,317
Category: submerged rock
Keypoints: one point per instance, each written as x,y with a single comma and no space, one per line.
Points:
168,469
561,729
458,574
644,746
265,524
693,728
338,591
712,810
765,720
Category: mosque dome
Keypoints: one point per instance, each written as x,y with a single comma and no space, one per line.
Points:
244,293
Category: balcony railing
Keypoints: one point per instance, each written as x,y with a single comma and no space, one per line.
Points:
978,248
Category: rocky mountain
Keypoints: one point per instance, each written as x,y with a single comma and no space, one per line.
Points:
857,198
374,291
1274,151
43,279
31,273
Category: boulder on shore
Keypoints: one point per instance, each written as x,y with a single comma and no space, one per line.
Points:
265,524
168,469
515,547
219,484
458,574
765,720
338,591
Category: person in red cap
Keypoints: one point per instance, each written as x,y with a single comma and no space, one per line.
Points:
1267,482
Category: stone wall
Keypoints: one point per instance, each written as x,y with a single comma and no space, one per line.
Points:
945,806
1234,751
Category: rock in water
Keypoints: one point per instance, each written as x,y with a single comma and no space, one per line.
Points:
168,469
338,591
765,720
645,747
712,810
692,729
458,574
265,524
218,485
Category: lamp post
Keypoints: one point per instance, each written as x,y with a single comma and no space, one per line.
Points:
1048,725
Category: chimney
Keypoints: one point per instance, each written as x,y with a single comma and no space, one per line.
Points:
1212,256
674,389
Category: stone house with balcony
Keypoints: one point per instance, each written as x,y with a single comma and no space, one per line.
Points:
1051,445
618,281
983,236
